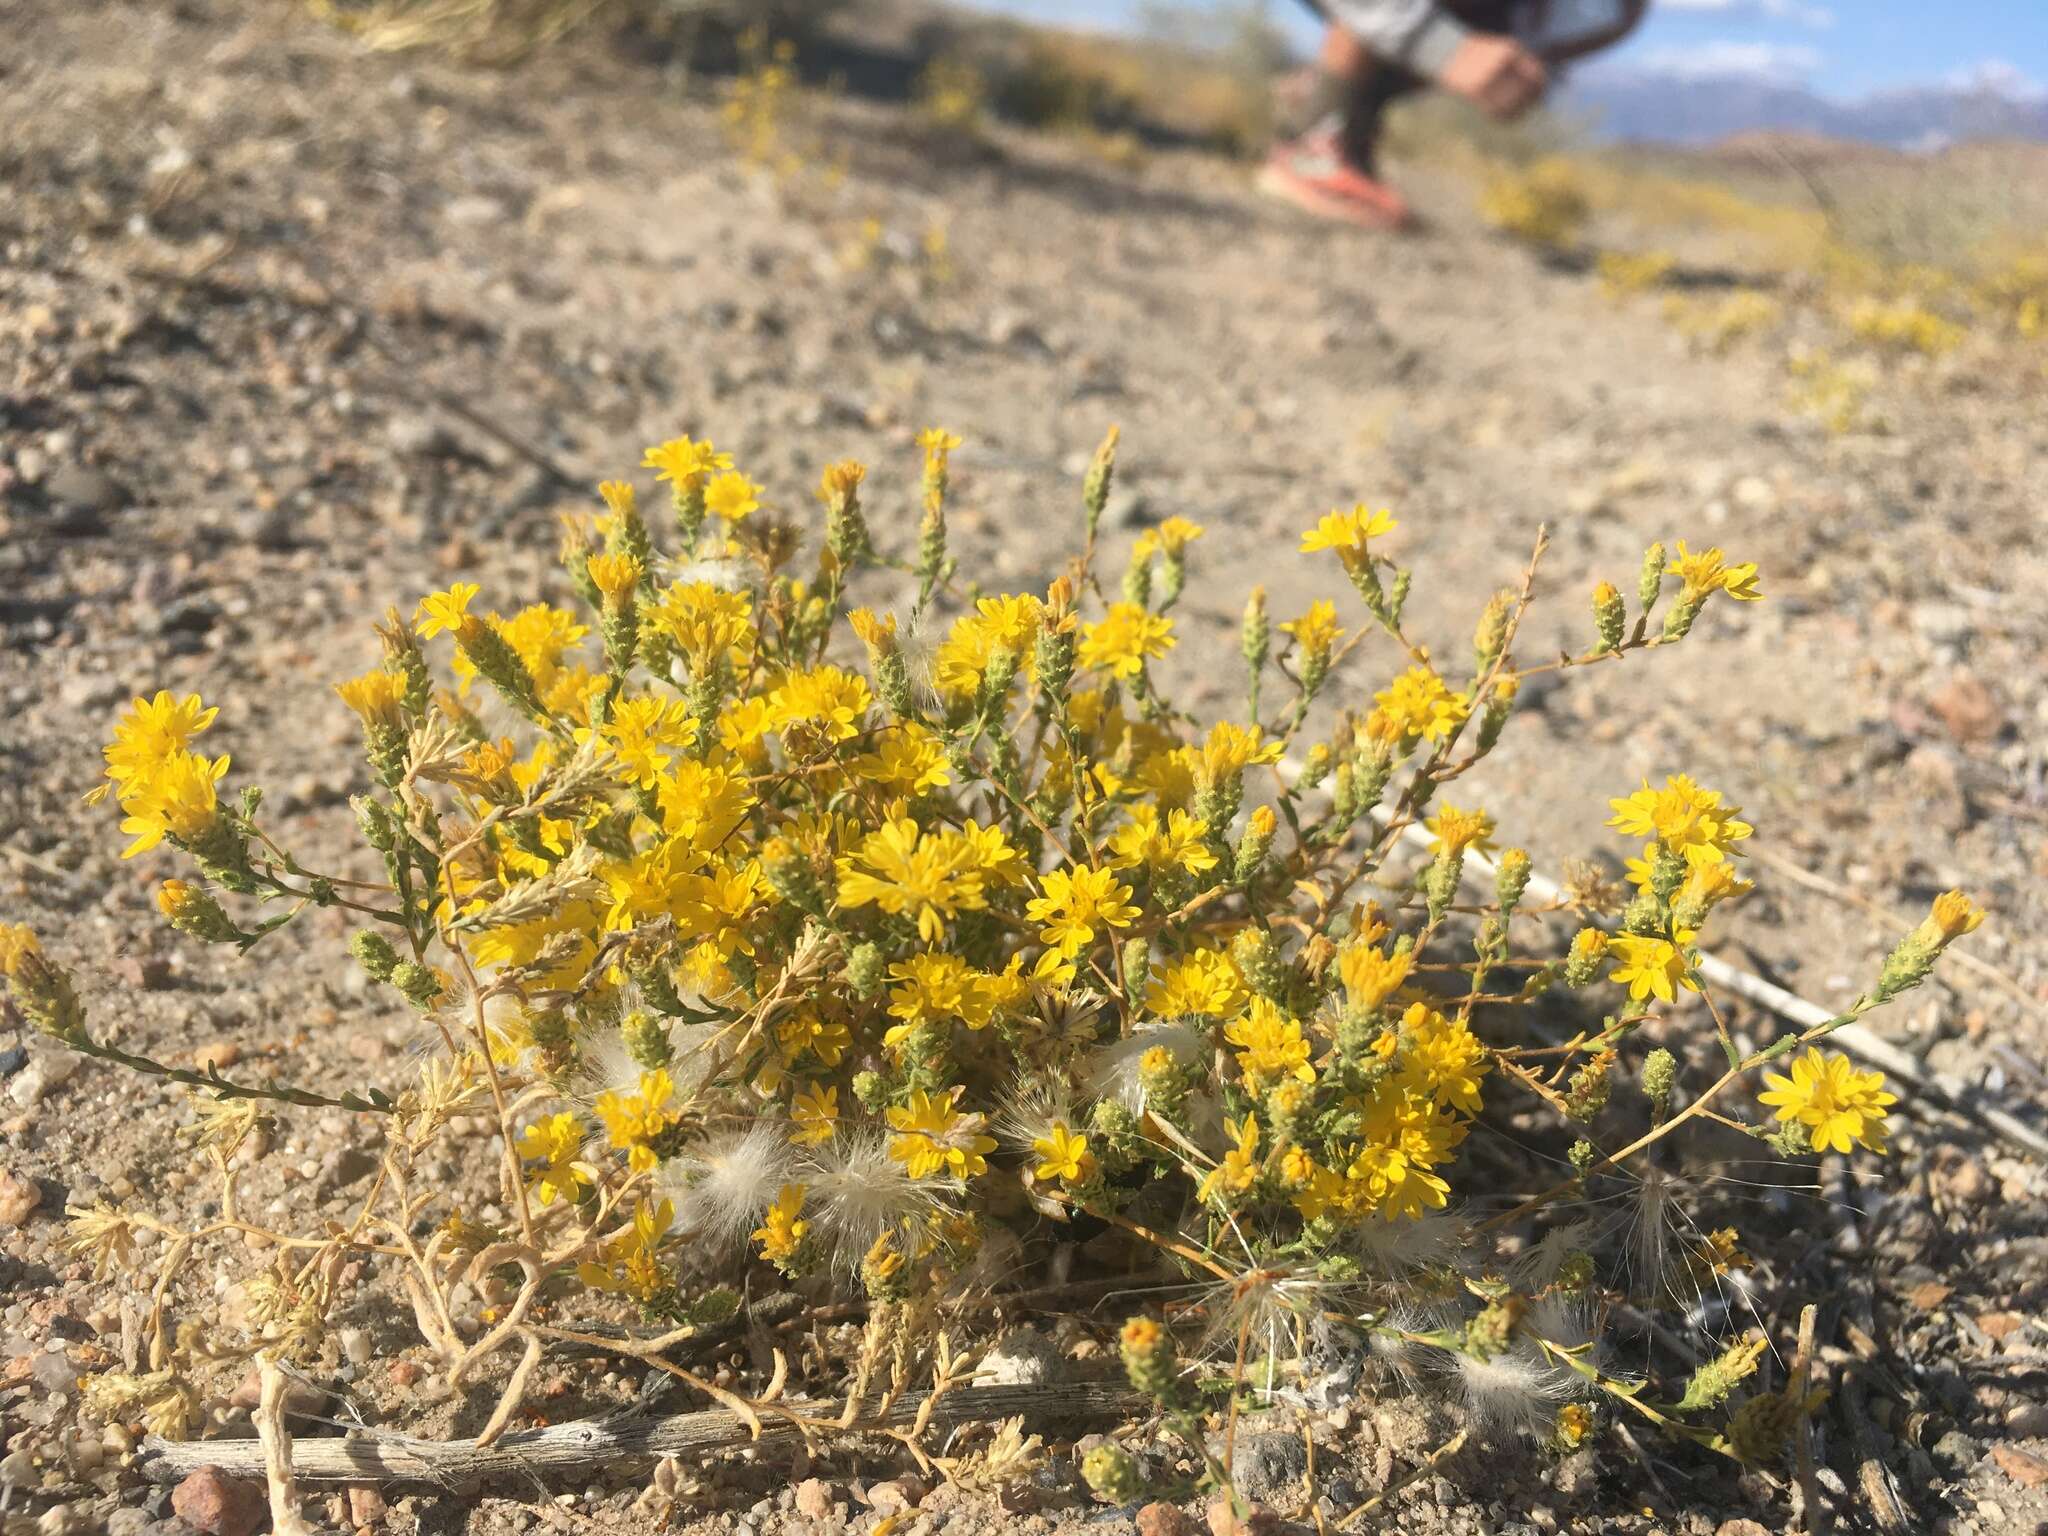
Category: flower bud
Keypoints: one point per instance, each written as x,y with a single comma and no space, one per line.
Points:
1582,964
646,1039
1148,1355
1256,843
1651,582
1492,633
40,987
1610,616
1095,487
1511,879
1660,1073
1113,1473
191,909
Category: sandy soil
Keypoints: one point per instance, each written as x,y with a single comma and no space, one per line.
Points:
289,332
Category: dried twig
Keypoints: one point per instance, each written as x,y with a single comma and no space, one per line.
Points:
574,1449
276,1443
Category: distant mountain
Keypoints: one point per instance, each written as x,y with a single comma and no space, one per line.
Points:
1697,109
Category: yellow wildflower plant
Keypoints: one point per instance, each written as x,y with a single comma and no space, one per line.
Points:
755,907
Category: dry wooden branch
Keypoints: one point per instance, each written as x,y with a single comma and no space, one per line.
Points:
576,1448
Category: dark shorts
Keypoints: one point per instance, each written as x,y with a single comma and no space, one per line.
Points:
1480,15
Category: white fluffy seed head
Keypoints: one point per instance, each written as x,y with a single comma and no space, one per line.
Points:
856,1191
726,574
1030,1110
1515,1392
1540,1264
1434,1240
724,1185
1113,1070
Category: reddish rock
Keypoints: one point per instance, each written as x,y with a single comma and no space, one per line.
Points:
365,1505
1161,1519
2024,1468
19,1198
813,1499
1967,709
211,1501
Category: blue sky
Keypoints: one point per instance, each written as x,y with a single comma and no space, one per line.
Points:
1842,48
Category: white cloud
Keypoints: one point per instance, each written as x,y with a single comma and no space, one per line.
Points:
2001,78
1767,10
1766,63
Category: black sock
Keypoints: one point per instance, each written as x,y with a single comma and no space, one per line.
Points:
1365,105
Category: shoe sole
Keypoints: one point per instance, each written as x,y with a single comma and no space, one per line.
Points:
1343,210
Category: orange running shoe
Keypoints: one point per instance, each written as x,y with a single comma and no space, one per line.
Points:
1312,173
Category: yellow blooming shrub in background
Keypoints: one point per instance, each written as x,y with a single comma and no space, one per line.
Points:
768,934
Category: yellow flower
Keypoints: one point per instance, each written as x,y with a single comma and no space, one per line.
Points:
827,1039
1240,1165
632,1120
1347,532
1204,982
908,760
1371,976
1177,842
815,1114
376,697
732,496
1707,572
937,987
619,496
1074,900
1840,1106
782,1230
639,732
1270,1046
823,700
1649,966
1170,538
706,623
1685,818
614,575
445,610
1317,631
177,800
1418,704
1954,915
1439,1059
1063,1155
1005,625
937,443
1394,1183
555,1143
1458,830
904,871
934,1137
153,730
683,463
632,1264
1124,640
1229,749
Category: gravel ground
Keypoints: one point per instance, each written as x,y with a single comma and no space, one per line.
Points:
289,332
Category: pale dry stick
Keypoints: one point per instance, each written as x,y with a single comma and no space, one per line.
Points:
574,1449
1421,1469
276,1440
1811,1519
515,1391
